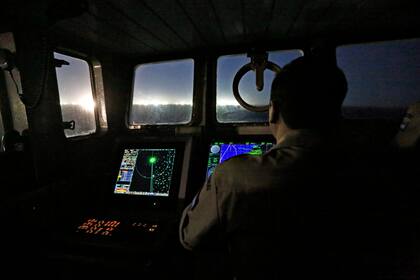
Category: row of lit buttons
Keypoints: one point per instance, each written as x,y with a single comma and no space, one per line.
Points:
145,226
107,227
98,227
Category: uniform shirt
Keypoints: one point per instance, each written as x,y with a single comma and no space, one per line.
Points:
263,208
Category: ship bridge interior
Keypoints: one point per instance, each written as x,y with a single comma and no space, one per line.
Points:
114,113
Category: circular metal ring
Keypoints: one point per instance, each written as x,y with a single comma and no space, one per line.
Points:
235,85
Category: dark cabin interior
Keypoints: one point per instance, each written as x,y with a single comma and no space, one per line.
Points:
58,181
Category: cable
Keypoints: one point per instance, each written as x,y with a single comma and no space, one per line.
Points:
44,79
16,85
44,76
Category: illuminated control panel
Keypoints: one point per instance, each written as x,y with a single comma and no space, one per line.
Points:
98,227
147,227
105,227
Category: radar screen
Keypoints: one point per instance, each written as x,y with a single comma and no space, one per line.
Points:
146,172
222,151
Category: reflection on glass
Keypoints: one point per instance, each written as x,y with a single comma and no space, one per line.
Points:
163,93
228,109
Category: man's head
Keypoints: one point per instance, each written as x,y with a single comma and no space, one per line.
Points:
307,94
12,141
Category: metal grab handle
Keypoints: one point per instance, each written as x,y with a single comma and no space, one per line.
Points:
259,64
69,125
238,76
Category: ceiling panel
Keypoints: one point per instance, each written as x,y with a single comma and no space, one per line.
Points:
175,16
164,27
142,15
312,15
206,23
343,12
116,21
372,20
229,13
257,18
70,29
97,34
285,14
387,17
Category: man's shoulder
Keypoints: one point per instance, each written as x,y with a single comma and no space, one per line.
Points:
273,158
238,170
248,171
239,161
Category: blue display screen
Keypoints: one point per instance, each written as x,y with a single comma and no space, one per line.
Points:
222,151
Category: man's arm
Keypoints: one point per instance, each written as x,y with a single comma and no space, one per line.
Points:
200,219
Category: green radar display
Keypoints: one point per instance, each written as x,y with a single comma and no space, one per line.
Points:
152,160
146,172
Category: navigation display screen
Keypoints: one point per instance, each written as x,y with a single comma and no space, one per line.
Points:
222,151
146,172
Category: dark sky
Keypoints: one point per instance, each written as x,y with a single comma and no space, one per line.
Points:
379,74
164,83
385,74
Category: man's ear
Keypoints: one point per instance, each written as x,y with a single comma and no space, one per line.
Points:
273,112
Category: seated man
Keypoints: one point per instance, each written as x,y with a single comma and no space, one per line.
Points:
269,211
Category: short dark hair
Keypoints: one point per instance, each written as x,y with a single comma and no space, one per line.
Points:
309,93
10,139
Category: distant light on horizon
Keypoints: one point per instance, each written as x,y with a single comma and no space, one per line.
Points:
86,102
227,102
157,102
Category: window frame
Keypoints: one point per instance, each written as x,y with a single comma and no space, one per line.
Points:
143,127
96,80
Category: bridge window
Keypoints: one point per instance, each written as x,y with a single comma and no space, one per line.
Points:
76,94
228,109
383,77
162,93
